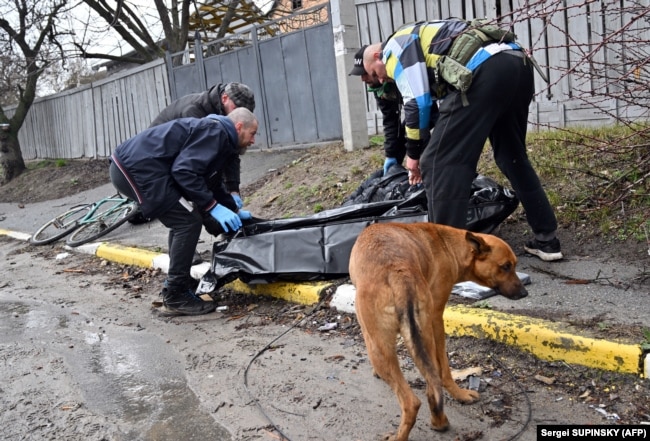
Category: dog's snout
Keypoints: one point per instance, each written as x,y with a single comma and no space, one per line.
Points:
523,292
513,292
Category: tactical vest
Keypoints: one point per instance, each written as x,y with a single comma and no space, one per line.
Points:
453,67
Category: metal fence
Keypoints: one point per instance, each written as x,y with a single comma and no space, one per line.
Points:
288,65
595,53
596,74
291,72
91,120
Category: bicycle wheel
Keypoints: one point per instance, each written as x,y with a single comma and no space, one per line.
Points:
103,223
60,226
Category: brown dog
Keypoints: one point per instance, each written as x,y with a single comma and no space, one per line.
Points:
404,274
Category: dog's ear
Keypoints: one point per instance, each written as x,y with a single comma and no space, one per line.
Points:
480,249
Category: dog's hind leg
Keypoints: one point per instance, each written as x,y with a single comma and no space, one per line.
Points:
386,365
417,331
380,335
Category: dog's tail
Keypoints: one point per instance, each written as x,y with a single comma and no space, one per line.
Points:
421,345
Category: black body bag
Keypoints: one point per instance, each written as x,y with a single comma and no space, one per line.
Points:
318,247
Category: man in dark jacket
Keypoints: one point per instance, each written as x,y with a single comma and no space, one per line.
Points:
166,169
220,99
389,101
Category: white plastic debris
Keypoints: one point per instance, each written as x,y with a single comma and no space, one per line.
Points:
475,291
61,256
609,416
328,326
472,290
343,299
207,284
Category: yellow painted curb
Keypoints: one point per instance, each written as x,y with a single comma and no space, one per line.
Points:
15,234
126,255
544,339
306,293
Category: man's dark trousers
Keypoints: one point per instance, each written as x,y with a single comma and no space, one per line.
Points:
184,232
501,91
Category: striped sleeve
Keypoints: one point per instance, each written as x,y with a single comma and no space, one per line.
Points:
406,65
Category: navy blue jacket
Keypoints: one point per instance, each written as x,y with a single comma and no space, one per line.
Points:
175,159
200,105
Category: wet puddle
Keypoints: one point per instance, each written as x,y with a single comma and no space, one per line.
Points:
128,375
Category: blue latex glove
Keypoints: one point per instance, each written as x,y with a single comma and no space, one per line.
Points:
228,220
244,215
237,199
388,163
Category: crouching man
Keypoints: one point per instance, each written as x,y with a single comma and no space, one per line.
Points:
165,169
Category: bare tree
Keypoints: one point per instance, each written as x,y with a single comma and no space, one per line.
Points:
603,53
35,34
10,74
29,39
603,47
174,16
127,21
67,75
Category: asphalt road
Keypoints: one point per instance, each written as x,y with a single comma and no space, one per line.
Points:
92,366
85,357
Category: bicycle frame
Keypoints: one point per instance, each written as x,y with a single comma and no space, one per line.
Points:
94,215
87,222
103,217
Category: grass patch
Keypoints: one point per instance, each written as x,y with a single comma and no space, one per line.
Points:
46,163
376,140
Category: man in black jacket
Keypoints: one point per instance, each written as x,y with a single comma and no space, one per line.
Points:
220,99
389,101
166,169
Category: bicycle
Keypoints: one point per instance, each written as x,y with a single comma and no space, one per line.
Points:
87,222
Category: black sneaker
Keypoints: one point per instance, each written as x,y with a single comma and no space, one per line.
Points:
184,302
547,251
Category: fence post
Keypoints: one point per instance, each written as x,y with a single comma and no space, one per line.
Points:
351,89
170,76
198,60
266,142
